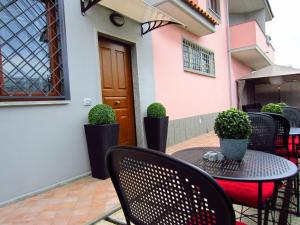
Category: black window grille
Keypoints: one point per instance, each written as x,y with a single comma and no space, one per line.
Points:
197,59
30,50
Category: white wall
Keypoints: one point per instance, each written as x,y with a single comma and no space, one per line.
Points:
45,145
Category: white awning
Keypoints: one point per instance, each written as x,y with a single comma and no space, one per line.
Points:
272,71
139,11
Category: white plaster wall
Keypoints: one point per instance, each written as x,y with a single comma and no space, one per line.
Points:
42,146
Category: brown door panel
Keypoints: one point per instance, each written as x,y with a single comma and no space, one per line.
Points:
116,102
116,84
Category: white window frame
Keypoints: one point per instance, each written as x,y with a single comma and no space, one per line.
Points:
204,64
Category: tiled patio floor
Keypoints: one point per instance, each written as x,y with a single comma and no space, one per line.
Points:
80,202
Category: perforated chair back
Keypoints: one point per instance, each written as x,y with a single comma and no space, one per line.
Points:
263,133
252,107
292,115
154,188
283,130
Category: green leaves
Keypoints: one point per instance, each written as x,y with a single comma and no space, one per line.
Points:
102,114
233,124
156,110
273,108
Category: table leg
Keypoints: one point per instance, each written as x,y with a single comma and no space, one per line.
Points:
283,216
260,205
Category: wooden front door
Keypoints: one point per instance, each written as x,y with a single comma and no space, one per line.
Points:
116,83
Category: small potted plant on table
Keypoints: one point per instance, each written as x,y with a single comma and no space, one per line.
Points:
233,127
156,127
101,133
273,108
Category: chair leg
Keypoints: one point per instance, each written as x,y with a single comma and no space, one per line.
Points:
297,194
115,221
266,218
283,216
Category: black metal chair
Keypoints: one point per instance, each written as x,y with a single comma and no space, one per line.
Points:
264,129
261,139
154,188
282,148
292,114
282,135
252,107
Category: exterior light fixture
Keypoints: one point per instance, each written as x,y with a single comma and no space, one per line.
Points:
117,19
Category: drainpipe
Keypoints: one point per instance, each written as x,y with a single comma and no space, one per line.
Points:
229,53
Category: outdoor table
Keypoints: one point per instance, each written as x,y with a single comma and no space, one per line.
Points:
256,166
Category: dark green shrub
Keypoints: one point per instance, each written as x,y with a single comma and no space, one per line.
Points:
233,124
272,108
156,110
102,114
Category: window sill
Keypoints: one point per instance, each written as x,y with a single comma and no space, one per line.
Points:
34,103
199,73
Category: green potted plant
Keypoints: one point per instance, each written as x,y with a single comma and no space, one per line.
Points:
156,127
101,133
272,108
233,127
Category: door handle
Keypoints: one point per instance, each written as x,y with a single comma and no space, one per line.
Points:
117,102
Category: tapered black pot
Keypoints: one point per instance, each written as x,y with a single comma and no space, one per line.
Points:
99,139
156,132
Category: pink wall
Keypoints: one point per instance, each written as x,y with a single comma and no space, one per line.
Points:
249,34
238,70
242,35
187,94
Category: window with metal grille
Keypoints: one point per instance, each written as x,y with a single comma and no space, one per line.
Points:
31,65
197,59
214,5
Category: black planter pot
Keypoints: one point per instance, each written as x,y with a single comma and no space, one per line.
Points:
99,139
156,132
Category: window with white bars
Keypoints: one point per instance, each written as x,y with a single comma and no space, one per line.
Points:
31,66
197,59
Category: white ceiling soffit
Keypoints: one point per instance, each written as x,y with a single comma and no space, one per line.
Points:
247,6
193,21
138,11
253,57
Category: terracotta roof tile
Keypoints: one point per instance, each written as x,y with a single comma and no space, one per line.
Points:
198,8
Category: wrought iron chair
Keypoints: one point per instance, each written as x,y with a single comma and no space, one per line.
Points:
292,114
263,133
284,149
154,188
252,107
245,193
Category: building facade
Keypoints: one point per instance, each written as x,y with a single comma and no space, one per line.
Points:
55,63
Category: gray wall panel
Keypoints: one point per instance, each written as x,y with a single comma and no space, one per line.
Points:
42,146
182,129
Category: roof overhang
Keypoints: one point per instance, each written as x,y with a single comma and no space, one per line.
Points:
287,74
252,56
148,16
246,6
188,15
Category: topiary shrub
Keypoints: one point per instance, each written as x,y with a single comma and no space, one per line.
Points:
272,108
102,114
233,124
156,110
